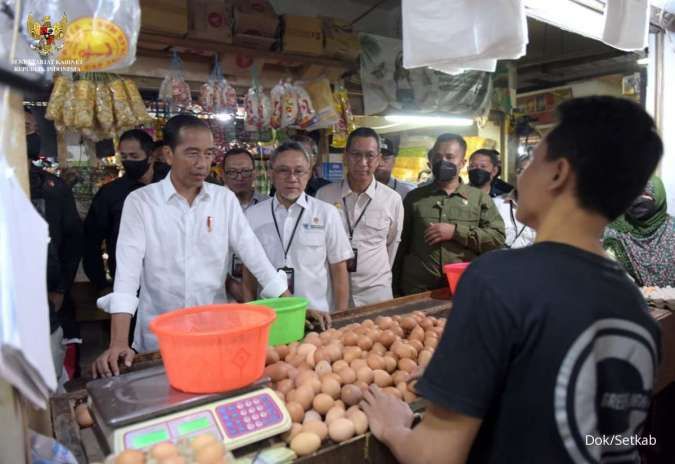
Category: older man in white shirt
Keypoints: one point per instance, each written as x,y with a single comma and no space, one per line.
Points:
174,241
302,236
372,215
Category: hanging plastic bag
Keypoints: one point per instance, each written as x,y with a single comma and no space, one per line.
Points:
68,109
57,98
322,98
228,98
124,116
104,108
95,35
208,92
346,120
85,100
137,103
276,99
289,106
251,106
174,90
306,113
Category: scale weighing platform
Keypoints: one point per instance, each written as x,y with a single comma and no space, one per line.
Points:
140,409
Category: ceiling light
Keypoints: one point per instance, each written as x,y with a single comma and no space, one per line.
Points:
643,61
223,116
429,120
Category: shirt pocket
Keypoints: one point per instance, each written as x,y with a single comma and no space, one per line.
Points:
313,245
375,228
469,214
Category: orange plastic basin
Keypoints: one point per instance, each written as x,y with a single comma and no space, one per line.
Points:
453,272
214,348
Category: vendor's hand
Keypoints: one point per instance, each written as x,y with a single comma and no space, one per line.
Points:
323,318
108,363
437,233
385,412
414,377
286,293
56,299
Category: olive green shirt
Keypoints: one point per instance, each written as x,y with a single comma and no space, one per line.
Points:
479,228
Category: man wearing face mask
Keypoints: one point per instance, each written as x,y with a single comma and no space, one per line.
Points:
160,167
105,213
445,222
643,239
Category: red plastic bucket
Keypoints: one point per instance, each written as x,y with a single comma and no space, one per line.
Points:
453,272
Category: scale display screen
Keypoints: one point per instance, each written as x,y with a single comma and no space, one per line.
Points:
150,438
194,425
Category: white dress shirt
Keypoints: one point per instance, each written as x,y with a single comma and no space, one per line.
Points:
178,254
518,235
320,240
376,237
400,186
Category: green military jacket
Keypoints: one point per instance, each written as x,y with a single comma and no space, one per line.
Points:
479,228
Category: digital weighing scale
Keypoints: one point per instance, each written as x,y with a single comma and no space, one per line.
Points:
140,409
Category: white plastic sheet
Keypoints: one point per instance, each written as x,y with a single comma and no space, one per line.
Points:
626,24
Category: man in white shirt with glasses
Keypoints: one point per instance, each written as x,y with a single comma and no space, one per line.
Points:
302,236
372,215
174,241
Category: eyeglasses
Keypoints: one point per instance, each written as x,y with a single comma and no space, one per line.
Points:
287,172
358,156
234,173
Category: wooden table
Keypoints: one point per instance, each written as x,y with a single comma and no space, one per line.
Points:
364,448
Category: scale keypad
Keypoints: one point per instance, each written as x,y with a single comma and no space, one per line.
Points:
248,415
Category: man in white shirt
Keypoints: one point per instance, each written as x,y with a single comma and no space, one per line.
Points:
372,215
239,169
302,236
174,241
383,171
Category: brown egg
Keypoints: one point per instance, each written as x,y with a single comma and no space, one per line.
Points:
297,360
331,387
321,354
382,378
305,443
365,375
368,323
277,371
174,460
400,376
349,412
351,353
334,352
390,364
384,322
360,421
304,395
280,395
285,385
350,339
365,343
363,386
431,342
291,433
386,338
406,351
312,415
408,323
407,365
339,404
347,375
409,397
393,391
335,412
375,361
296,411
130,457
398,331
202,440
341,429
323,402
282,351
304,377
292,372
211,454
317,427
402,387
271,356
162,451
424,357
293,347
351,395
358,364
378,348
418,345
323,367
313,338
83,416
417,334
306,348
339,365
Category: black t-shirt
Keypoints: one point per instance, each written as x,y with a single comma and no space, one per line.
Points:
552,347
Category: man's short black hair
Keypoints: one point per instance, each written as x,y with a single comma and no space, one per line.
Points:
178,122
612,146
492,154
447,137
363,132
143,138
290,145
238,151
159,144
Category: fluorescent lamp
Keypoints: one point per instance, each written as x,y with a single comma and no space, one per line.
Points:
429,120
643,61
223,117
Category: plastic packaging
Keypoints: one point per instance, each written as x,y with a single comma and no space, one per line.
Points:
69,108
289,106
258,110
124,116
324,104
346,120
306,113
174,90
57,98
85,100
104,108
137,103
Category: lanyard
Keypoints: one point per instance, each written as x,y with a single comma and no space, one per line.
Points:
515,225
349,224
295,228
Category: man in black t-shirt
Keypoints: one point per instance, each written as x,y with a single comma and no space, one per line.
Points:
549,353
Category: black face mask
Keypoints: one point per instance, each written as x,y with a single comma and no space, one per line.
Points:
33,143
135,169
444,170
478,177
161,170
641,209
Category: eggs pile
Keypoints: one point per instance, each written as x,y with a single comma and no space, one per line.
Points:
202,449
322,379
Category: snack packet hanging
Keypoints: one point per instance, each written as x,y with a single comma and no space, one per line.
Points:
57,98
276,99
289,106
174,90
346,120
228,98
306,113
104,108
137,103
322,98
85,101
124,116
68,109
252,108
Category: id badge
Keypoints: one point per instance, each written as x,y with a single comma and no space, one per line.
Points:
290,278
236,267
351,263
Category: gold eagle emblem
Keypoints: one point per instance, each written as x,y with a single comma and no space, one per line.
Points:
47,37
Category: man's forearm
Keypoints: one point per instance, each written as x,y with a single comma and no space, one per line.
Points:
340,281
119,328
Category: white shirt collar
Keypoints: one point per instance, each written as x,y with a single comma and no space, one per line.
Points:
370,191
169,190
301,201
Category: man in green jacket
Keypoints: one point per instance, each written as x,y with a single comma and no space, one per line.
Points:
445,222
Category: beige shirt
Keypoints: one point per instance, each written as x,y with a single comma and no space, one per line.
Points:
376,236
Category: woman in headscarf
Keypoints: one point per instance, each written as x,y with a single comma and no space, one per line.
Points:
643,239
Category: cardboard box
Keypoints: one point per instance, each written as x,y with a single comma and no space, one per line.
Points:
303,34
168,17
255,18
340,39
254,41
211,20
